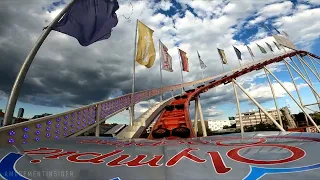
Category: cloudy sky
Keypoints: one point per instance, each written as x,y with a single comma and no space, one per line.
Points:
65,75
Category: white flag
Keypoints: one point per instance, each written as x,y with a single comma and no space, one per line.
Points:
202,65
165,58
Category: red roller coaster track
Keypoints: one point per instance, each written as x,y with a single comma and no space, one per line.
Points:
175,122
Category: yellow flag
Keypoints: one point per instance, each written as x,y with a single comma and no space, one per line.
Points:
146,53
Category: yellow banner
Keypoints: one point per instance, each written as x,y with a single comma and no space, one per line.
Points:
146,53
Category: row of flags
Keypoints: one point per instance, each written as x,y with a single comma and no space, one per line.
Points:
98,19
146,53
283,32
238,52
145,41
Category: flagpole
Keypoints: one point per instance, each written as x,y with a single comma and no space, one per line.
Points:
182,91
239,62
252,58
222,67
133,77
200,66
12,101
161,96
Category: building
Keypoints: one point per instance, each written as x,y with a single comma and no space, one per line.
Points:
255,117
199,125
40,116
216,125
15,120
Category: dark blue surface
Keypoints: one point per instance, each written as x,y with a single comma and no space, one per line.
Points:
89,20
7,167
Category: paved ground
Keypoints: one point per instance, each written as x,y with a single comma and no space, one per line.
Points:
264,155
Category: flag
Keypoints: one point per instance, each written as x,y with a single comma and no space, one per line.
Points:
89,21
237,52
184,60
250,51
269,46
165,58
262,49
276,45
267,27
146,52
269,32
222,56
285,34
202,65
277,30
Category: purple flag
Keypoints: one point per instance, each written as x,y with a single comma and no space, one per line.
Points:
89,21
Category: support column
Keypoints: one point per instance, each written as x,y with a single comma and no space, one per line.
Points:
305,63
314,66
296,87
131,112
259,106
14,94
296,65
302,78
196,117
204,130
238,106
313,59
302,62
98,113
316,126
274,98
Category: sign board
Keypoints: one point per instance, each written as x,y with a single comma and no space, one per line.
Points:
284,42
312,129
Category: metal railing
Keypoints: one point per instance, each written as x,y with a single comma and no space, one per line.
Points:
77,120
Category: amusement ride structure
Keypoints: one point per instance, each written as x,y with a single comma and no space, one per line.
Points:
172,138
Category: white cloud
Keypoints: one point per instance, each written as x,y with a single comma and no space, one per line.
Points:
216,27
276,9
263,91
302,26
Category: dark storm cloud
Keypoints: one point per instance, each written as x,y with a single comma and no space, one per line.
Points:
63,73
71,81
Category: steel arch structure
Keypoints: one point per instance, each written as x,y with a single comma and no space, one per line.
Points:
173,118
77,121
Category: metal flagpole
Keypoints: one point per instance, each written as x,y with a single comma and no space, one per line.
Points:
160,47
316,126
202,75
238,106
133,77
259,106
222,67
182,91
251,57
12,101
239,62
274,97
